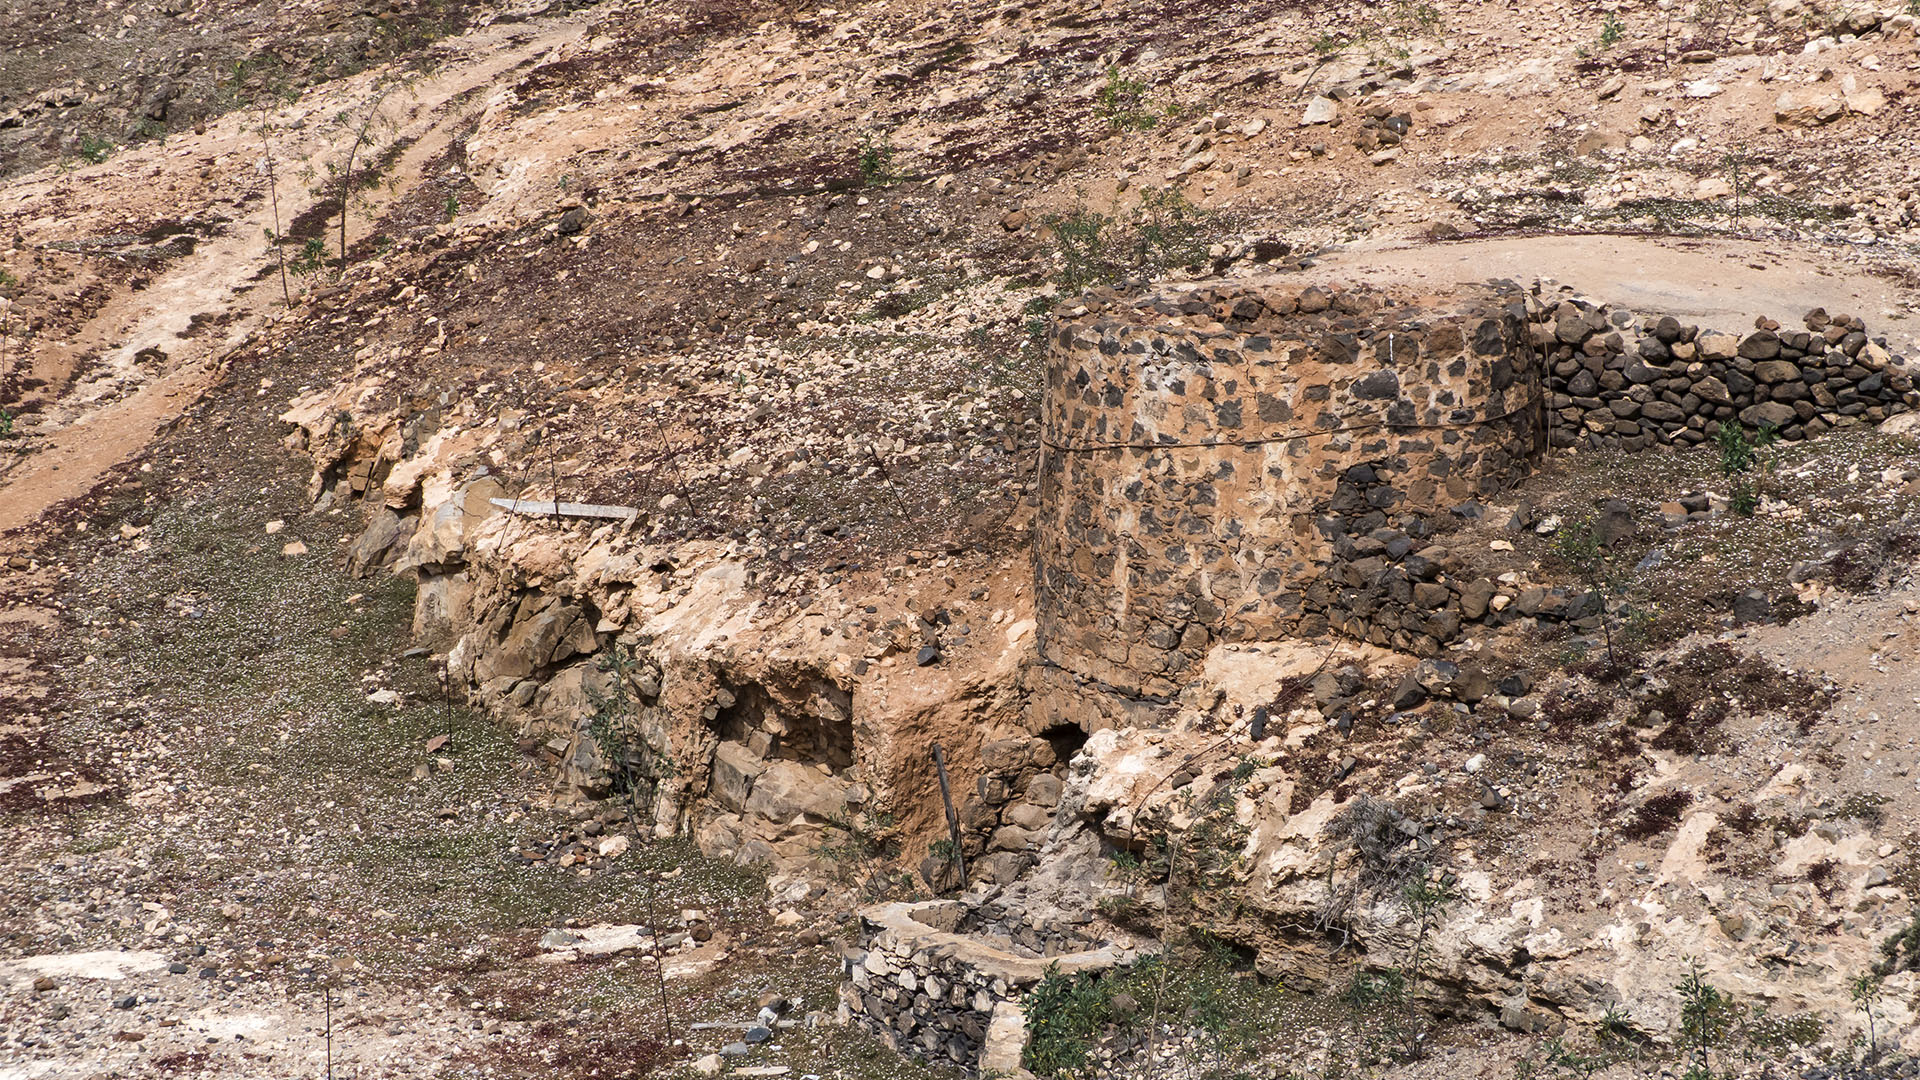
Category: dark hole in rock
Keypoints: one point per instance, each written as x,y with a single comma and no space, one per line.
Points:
1066,740
811,723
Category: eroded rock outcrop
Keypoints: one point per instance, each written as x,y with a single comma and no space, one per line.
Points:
1312,882
776,722
1228,475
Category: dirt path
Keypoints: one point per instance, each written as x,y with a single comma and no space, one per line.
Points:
1720,283
119,402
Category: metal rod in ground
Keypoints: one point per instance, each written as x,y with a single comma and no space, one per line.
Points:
446,704
953,819
329,991
659,959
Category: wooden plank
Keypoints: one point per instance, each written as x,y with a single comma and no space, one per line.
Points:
546,508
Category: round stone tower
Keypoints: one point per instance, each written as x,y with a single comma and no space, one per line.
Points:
1210,456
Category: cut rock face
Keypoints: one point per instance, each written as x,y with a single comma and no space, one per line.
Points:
735,768
788,789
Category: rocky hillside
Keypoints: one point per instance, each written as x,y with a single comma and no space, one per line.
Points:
501,504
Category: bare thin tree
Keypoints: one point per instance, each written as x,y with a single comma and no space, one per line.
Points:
362,136
273,197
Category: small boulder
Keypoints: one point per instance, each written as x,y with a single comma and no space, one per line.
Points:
1752,606
1044,791
1409,694
1768,413
1714,345
1615,523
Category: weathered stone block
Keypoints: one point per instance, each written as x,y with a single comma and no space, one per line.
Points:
734,769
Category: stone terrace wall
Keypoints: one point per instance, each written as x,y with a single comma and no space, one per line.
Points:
1205,452
921,981
1621,381
1260,462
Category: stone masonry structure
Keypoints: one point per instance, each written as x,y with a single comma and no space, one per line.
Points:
1624,382
1206,454
930,981
1256,461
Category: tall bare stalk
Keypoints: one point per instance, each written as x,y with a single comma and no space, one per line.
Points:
360,137
659,959
273,196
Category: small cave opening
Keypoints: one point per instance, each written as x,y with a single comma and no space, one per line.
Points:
817,730
1066,740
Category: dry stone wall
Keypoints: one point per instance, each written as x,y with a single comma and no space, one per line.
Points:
1009,812
1624,381
1207,454
931,981
1254,462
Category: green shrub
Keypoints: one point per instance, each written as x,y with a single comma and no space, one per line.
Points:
313,255
1329,45
1205,994
1612,29
875,160
1161,232
1122,102
1738,449
1706,1015
1065,1014
95,149
1865,991
1410,17
860,845
1578,544
1739,453
1084,238
635,768
1169,231
1901,952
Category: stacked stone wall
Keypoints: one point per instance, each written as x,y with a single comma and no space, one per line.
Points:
1252,463
1624,381
1005,817
941,981
1204,455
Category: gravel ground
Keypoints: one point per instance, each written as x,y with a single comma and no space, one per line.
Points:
232,793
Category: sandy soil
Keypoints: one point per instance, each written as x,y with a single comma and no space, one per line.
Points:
1715,282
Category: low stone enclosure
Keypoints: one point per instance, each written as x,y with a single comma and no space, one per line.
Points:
929,980
1250,462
